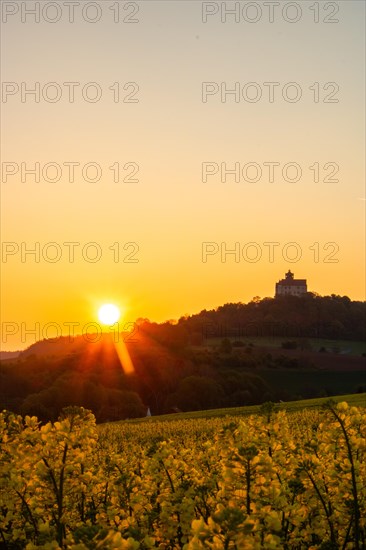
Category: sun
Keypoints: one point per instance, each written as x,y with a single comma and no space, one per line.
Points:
108,314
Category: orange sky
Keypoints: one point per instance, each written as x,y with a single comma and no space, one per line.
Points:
169,212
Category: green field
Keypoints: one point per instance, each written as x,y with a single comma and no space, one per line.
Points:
357,400
342,346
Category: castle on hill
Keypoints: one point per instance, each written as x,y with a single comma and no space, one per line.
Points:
289,285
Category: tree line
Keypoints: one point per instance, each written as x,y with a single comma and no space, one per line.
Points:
174,369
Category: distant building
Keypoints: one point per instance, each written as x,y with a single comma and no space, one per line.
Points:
289,285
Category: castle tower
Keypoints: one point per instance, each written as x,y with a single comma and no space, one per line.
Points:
291,286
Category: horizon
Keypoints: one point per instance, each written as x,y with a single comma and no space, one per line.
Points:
123,326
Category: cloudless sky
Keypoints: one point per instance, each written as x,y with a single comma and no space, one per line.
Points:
169,133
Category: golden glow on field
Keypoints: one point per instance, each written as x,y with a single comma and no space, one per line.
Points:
108,314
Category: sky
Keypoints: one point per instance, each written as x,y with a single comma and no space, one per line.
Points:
174,94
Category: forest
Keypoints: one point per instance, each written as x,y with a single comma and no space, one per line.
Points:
209,360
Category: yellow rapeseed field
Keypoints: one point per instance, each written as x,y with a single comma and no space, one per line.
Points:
273,480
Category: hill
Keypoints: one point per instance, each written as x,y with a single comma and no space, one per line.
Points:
203,361
6,355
